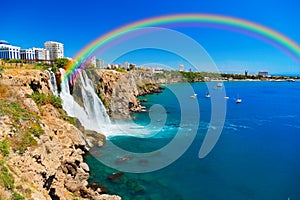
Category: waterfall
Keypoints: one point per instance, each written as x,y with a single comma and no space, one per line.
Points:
92,115
52,81
91,112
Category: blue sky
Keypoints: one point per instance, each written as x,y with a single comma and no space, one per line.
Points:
77,23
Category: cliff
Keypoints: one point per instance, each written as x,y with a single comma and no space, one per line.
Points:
41,151
119,91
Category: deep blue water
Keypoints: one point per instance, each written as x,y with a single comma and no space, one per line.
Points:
257,156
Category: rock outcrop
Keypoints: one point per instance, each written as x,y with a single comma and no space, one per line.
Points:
54,168
119,91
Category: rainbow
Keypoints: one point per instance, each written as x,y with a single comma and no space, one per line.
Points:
217,20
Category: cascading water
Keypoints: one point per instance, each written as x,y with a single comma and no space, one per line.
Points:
52,81
93,114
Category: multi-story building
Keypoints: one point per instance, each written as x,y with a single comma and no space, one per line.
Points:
263,73
56,49
41,54
100,63
27,54
181,67
7,51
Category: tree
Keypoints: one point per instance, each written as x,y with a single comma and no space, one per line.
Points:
61,62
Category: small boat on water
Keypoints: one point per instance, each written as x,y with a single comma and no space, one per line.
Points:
193,96
226,97
207,95
238,100
220,85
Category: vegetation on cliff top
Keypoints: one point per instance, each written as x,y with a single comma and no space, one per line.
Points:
24,124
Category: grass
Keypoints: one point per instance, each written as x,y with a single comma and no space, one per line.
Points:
24,140
4,147
17,196
41,66
71,120
25,124
43,99
6,178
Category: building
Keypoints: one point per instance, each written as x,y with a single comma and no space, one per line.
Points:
41,54
7,51
181,67
56,49
27,54
263,73
126,65
100,64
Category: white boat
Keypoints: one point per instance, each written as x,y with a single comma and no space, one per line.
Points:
238,100
220,85
226,97
193,96
207,95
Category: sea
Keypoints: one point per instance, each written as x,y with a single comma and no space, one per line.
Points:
257,155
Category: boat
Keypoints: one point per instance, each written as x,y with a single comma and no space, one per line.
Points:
193,96
220,85
207,95
226,97
238,100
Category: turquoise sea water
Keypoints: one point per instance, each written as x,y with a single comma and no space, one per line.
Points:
257,156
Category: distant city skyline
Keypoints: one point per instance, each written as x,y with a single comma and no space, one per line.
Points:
76,24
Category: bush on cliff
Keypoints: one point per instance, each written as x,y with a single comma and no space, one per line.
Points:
6,178
4,147
43,99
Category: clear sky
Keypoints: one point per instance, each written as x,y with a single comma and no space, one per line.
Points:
77,23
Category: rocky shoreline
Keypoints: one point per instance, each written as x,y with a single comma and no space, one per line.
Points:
52,167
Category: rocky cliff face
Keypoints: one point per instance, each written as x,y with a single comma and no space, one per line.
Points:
50,163
120,90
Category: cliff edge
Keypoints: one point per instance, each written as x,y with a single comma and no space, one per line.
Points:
41,151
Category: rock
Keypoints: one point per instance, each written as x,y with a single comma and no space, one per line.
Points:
85,167
115,176
108,197
73,185
54,168
31,105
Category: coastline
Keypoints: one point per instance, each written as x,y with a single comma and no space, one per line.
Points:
51,166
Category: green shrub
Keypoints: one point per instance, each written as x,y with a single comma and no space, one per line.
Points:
24,140
17,196
15,111
43,99
4,147
41,66
69,119
6,178
36,130
14,61
55,101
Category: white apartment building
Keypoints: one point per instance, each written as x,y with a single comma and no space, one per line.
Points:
100,63
7,51
56,49
27,54
41,54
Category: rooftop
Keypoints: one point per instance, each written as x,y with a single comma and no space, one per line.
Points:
4,42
